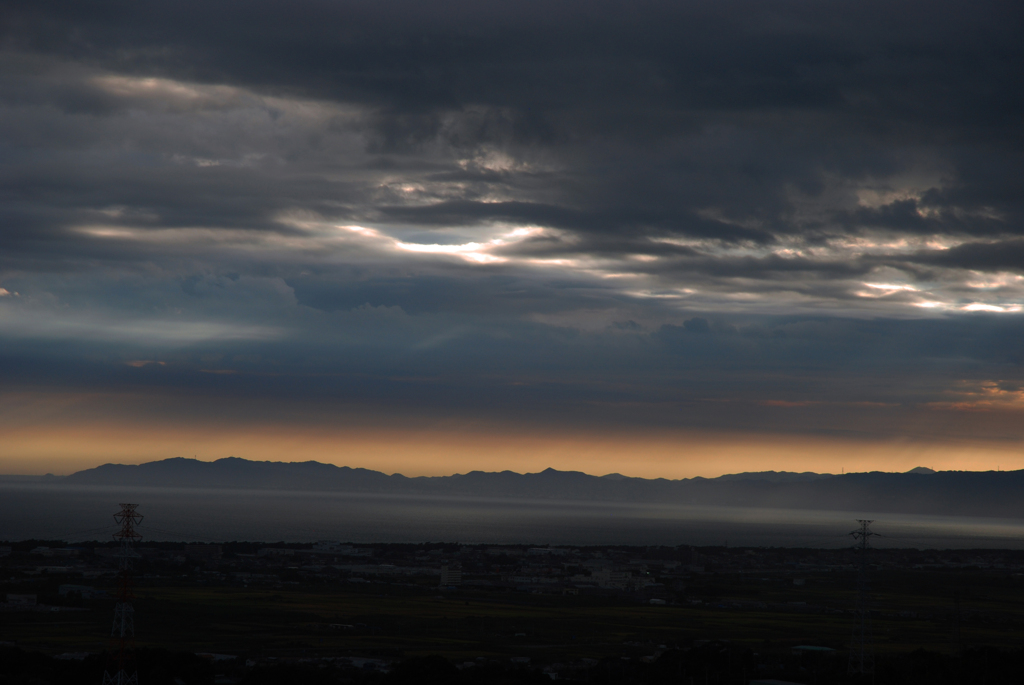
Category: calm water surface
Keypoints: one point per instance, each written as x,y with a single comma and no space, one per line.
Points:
77,513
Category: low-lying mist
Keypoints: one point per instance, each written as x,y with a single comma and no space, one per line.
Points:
80,513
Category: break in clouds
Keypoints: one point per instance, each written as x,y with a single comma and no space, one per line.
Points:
651,211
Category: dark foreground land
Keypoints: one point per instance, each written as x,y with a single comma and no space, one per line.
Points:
330,613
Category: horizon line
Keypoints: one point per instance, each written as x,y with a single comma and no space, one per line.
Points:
450,475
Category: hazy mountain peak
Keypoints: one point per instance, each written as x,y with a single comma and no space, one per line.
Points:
968,493
775,476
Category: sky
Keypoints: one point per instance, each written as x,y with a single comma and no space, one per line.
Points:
655,238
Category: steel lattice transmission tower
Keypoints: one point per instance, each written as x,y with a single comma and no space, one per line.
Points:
123,632
862,654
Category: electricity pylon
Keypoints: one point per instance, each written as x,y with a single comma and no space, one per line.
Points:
862,653
123,632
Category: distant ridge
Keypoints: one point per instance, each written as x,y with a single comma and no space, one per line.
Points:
776,476
921,490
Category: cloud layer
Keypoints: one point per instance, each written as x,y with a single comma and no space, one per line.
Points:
746,216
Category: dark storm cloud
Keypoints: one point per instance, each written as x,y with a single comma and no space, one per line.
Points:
478,296
561,204
993,256
747,54
649,114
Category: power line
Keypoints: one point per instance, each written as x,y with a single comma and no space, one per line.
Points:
186,536
101,529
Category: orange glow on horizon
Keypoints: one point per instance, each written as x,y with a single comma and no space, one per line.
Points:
434,452
63,432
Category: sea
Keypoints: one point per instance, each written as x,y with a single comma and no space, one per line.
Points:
76,513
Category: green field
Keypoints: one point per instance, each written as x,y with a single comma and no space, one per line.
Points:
401,621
